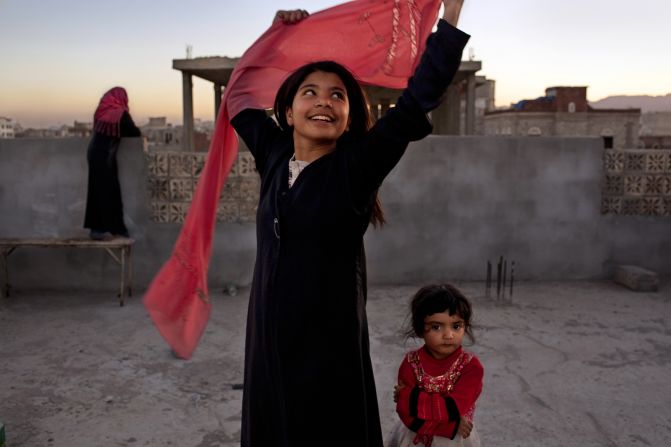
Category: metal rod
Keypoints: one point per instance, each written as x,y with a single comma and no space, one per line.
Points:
503,285
130,271
122,291
5,256
498,277
512,278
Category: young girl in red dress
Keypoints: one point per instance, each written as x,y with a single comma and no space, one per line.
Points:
439,383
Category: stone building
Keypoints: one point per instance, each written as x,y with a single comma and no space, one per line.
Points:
80,129
655,141
6,127
656,130
564,111
162,135
656,123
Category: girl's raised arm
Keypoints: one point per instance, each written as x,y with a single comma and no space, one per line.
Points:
386,142
452,11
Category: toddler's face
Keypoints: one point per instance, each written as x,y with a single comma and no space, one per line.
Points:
443,333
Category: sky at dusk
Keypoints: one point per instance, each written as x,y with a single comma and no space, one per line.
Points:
58,57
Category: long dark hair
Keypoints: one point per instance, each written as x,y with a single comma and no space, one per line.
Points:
359,110
438,298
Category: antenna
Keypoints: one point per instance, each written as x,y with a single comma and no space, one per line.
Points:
189,51
471,53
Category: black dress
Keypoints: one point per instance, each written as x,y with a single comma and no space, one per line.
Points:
104,209
308,374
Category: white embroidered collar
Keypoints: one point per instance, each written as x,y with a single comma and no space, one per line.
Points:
295,168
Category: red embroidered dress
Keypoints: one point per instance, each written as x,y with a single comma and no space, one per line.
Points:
438,393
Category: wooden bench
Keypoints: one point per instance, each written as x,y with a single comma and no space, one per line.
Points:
119,249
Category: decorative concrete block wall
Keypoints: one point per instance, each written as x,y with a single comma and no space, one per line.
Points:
637,182
173,177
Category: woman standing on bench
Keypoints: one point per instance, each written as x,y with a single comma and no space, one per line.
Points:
104,209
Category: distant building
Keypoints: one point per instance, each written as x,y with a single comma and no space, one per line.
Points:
79,129
655,142
6,127
157,121
656,123
656,130
564,111
161,135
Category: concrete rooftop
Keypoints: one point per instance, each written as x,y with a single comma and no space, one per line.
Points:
567,364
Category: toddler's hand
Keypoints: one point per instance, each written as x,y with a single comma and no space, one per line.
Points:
397,389
465,427
290,17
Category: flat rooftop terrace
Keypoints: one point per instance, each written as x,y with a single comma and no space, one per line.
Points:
566,364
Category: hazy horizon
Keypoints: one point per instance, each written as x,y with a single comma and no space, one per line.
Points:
60,57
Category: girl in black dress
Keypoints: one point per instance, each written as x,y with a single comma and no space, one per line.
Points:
104,208
308,373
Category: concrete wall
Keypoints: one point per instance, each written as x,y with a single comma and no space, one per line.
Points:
43,194
452,204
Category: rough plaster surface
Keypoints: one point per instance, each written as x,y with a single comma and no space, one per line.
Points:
566,364
452,203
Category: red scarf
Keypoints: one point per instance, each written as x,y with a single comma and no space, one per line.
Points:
107,117
380,41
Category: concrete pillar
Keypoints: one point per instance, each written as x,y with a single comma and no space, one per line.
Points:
629,136
470,105
187,104
217,99
454,110
447,116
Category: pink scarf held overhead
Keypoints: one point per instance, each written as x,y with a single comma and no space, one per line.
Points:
107,117
380,41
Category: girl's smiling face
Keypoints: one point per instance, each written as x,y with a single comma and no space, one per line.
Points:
443,334
319,113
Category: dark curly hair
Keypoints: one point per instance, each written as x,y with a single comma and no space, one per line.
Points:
438,298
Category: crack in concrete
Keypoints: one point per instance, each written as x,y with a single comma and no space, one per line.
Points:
600,430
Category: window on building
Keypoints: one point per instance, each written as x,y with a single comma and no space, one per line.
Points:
607,142
571,107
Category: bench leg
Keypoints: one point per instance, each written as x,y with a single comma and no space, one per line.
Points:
130,272
6,251
122,289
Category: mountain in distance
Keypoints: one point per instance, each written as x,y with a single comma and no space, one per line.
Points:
646,103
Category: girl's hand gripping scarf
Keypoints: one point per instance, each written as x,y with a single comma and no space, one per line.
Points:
380,41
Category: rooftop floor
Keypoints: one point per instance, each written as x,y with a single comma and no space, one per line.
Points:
566,363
